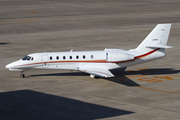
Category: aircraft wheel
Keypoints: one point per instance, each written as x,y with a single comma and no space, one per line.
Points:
92,76
22,76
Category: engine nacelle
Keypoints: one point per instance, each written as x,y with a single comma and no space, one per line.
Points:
117,57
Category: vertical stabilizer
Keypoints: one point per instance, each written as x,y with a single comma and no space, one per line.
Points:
157,38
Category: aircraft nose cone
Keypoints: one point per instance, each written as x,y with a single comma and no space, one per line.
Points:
8,66
12,65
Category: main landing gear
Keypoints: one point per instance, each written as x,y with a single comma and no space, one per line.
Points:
22,75
92,76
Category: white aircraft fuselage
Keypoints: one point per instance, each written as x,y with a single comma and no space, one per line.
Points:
98,63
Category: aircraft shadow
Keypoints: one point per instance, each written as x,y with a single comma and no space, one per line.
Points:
123,80
154,71
32,105
76,73
120,74
3,43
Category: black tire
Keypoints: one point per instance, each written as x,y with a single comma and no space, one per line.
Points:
22,76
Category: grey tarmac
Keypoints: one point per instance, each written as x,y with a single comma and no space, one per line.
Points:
148,91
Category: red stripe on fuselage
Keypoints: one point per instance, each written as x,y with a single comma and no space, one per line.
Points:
138,57
94,61
144,55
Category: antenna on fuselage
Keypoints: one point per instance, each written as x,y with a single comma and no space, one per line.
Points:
71,50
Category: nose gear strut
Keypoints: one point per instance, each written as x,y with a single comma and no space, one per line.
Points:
22,75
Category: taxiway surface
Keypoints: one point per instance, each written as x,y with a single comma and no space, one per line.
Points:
148,91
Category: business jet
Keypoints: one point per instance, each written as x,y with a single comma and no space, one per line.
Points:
98,63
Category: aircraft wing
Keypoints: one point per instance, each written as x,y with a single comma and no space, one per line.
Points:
97,72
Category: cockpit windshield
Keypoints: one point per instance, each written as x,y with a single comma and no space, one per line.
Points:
26,58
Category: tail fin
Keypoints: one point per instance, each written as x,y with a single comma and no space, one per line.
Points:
157,38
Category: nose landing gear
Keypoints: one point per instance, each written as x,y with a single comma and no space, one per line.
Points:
22,75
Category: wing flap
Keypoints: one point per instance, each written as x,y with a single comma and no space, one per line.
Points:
105,73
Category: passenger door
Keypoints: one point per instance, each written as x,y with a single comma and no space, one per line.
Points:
45,61
106,56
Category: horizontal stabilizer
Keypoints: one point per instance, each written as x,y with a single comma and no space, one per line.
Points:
157,46
105,73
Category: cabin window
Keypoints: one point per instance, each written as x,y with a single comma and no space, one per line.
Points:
50,57
70,57
84,56
57,57
77,57
92,56
32,58
64,57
